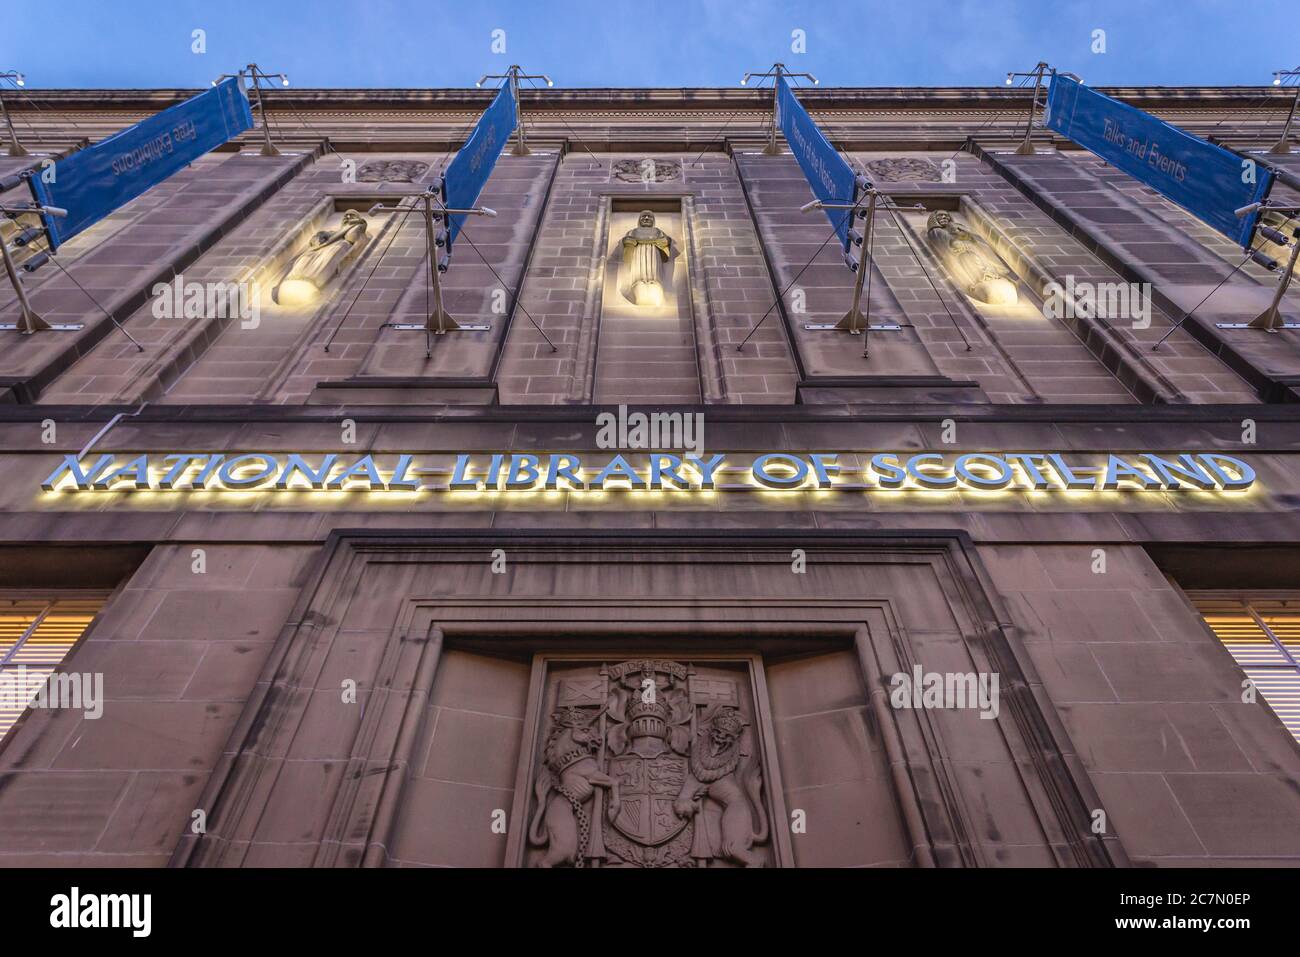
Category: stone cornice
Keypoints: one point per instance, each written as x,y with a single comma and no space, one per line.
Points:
820,98
1281,416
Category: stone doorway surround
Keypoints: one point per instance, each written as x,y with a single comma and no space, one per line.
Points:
308,781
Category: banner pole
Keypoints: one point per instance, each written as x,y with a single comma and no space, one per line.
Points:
439,321
1271,320
268,147
1026,147
868,261
521,143
854,321
514,73
777,71
1283,145
850,322
30,322
15,148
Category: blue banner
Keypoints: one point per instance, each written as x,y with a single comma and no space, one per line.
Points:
1206,180
468,172
831,178
93,182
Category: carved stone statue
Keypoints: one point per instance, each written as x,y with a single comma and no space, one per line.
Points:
645,248
972,263
722,772
321,261
670,751
565,784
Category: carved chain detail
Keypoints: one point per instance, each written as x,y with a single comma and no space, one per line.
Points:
584,824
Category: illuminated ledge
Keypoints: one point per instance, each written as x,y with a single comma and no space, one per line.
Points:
404,390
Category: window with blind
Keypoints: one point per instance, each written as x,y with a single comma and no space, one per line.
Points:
36,634
1261,630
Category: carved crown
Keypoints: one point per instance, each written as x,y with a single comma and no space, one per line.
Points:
655,708
729,720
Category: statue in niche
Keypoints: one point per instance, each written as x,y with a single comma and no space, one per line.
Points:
313,268
971,261
645,249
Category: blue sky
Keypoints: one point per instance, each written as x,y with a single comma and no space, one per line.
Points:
580,43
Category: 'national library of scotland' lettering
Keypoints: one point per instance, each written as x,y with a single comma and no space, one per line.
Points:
632,523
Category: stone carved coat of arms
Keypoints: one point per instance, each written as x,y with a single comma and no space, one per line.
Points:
648,764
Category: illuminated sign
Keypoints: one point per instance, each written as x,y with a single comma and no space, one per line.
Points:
571,471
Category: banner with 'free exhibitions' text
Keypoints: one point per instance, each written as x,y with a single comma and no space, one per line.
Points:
468,172
92,183
1208,181
831,178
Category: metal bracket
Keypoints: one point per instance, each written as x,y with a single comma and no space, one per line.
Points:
439,321
30,320
1271,320
855,321
514,73
852,327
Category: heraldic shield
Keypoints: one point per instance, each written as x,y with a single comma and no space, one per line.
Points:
648,764
647,789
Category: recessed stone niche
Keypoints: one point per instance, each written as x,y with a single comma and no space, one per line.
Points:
962,242
644,339
634,252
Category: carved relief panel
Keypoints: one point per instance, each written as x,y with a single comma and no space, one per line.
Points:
646,762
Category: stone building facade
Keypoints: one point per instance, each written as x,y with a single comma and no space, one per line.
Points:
387,668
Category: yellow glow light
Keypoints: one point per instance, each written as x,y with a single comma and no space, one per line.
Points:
297,292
